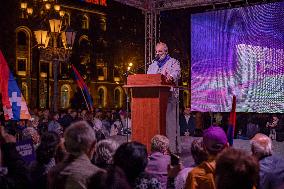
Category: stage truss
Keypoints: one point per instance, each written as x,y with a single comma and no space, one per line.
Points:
151,10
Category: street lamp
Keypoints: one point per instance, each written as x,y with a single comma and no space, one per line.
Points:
55,45
55,51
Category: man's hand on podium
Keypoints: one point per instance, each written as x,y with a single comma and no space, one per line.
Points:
170,79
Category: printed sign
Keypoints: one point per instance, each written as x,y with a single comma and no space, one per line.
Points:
26,150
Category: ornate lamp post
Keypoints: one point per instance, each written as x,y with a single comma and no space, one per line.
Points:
54,45
50,43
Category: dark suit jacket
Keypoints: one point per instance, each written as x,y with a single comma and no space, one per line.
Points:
190,125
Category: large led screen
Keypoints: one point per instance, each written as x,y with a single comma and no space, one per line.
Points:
238,52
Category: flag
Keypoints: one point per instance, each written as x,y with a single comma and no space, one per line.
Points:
14,104
232,123
85,92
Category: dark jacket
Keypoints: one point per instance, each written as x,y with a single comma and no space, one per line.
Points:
184,126
17,176
271,172
73,172
66,121
38,173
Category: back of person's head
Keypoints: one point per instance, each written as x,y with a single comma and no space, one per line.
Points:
47,148
261,145
160,143
53,115
116,116
198,152
100,135
123,113
79,138
73,113
214,140
89,116
236,169
104,152
114,178
131,157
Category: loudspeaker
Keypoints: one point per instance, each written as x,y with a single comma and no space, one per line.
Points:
280,136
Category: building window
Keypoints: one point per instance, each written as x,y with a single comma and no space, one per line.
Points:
118,97
22,38
22,66
101,74
65,96
103,25
44,68
67,18
43,94
64,70
102,94
85,22
84,44
116,76
25,91
23,51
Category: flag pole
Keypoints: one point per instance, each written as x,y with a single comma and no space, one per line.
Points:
85,99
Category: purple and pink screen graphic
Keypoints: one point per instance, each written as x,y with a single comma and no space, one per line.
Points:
238,52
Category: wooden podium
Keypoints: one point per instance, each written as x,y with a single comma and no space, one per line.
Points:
149,100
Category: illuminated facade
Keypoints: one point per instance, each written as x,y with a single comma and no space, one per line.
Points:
106,41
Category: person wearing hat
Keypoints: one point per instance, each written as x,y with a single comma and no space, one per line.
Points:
202,176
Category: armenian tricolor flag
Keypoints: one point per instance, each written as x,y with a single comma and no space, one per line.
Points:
84,89
232,123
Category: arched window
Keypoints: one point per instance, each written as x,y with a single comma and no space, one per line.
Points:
23,51
84,43
25,91
84,49
65,96
85,22
185,98
103,24
22,38
102,94
117,97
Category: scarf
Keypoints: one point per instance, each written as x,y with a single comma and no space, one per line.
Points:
163,61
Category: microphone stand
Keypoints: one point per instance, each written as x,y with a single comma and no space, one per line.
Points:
127,116
127,106
136,69
177,129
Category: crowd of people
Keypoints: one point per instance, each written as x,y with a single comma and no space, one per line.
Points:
105,123
247,124
77,151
